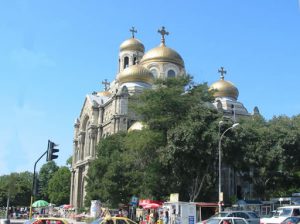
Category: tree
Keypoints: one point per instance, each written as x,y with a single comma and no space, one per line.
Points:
59,186
191,152
105,179
20,193
69,162
166,105
45,174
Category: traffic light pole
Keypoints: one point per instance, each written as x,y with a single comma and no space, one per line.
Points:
33,184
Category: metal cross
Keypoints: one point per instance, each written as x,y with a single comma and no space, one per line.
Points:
222,71
132,30
163,32
106,84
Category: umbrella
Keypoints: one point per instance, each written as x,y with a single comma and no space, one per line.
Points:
67,206
40,203
151,205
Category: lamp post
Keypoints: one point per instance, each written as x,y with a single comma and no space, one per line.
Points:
220,162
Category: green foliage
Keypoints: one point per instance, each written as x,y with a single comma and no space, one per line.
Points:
45,174
59,186
18,187
267,153
69,161
191,152
169,102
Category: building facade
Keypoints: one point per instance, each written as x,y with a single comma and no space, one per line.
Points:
106,112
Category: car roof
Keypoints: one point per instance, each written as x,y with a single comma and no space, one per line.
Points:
51,218
236,211
117,218
289,206
228,218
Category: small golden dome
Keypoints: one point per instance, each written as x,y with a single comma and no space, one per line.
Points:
137,126
224,88
162,54
132,44
135,73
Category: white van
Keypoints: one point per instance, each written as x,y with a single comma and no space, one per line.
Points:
281,214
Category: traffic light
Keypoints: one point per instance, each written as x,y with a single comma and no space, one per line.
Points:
51,150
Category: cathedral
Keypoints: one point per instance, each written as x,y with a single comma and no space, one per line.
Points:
106,112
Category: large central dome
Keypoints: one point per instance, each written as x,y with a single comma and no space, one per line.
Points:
162,54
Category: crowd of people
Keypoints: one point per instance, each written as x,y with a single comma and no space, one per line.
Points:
155,216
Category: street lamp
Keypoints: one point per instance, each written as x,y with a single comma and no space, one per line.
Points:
220,179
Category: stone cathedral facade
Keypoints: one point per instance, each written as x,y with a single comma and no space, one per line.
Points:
106,112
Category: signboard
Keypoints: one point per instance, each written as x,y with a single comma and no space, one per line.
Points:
134,201
191,220
174,197
221,196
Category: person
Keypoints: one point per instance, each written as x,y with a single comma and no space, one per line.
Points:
119,213
166,217
151,218
226,221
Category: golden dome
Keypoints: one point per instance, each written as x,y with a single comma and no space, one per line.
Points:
224,88
132,44
135,73
162,54
137,126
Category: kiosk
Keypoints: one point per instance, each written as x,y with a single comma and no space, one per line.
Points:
181,212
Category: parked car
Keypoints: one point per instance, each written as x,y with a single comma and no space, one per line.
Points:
117,220
281,214
291,220
250,216
224,220
47,220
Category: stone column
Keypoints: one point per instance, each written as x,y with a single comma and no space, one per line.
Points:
92,136
81,141
73,173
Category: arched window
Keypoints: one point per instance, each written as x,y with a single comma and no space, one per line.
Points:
134,60
126,62
154,73
171,73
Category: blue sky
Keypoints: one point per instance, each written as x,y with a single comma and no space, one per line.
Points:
54,52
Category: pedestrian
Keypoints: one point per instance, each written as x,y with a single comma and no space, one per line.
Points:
166,217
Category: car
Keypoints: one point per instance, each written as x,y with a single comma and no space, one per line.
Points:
281,214
47,220
116,220
250,216
291,220
224,220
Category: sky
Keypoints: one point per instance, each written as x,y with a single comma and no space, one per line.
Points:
54,52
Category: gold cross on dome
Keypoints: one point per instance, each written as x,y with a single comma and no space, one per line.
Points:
222,71
106,84
163,32
132,30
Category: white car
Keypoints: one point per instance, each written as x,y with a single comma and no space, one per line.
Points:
224,220
250,216
281,214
